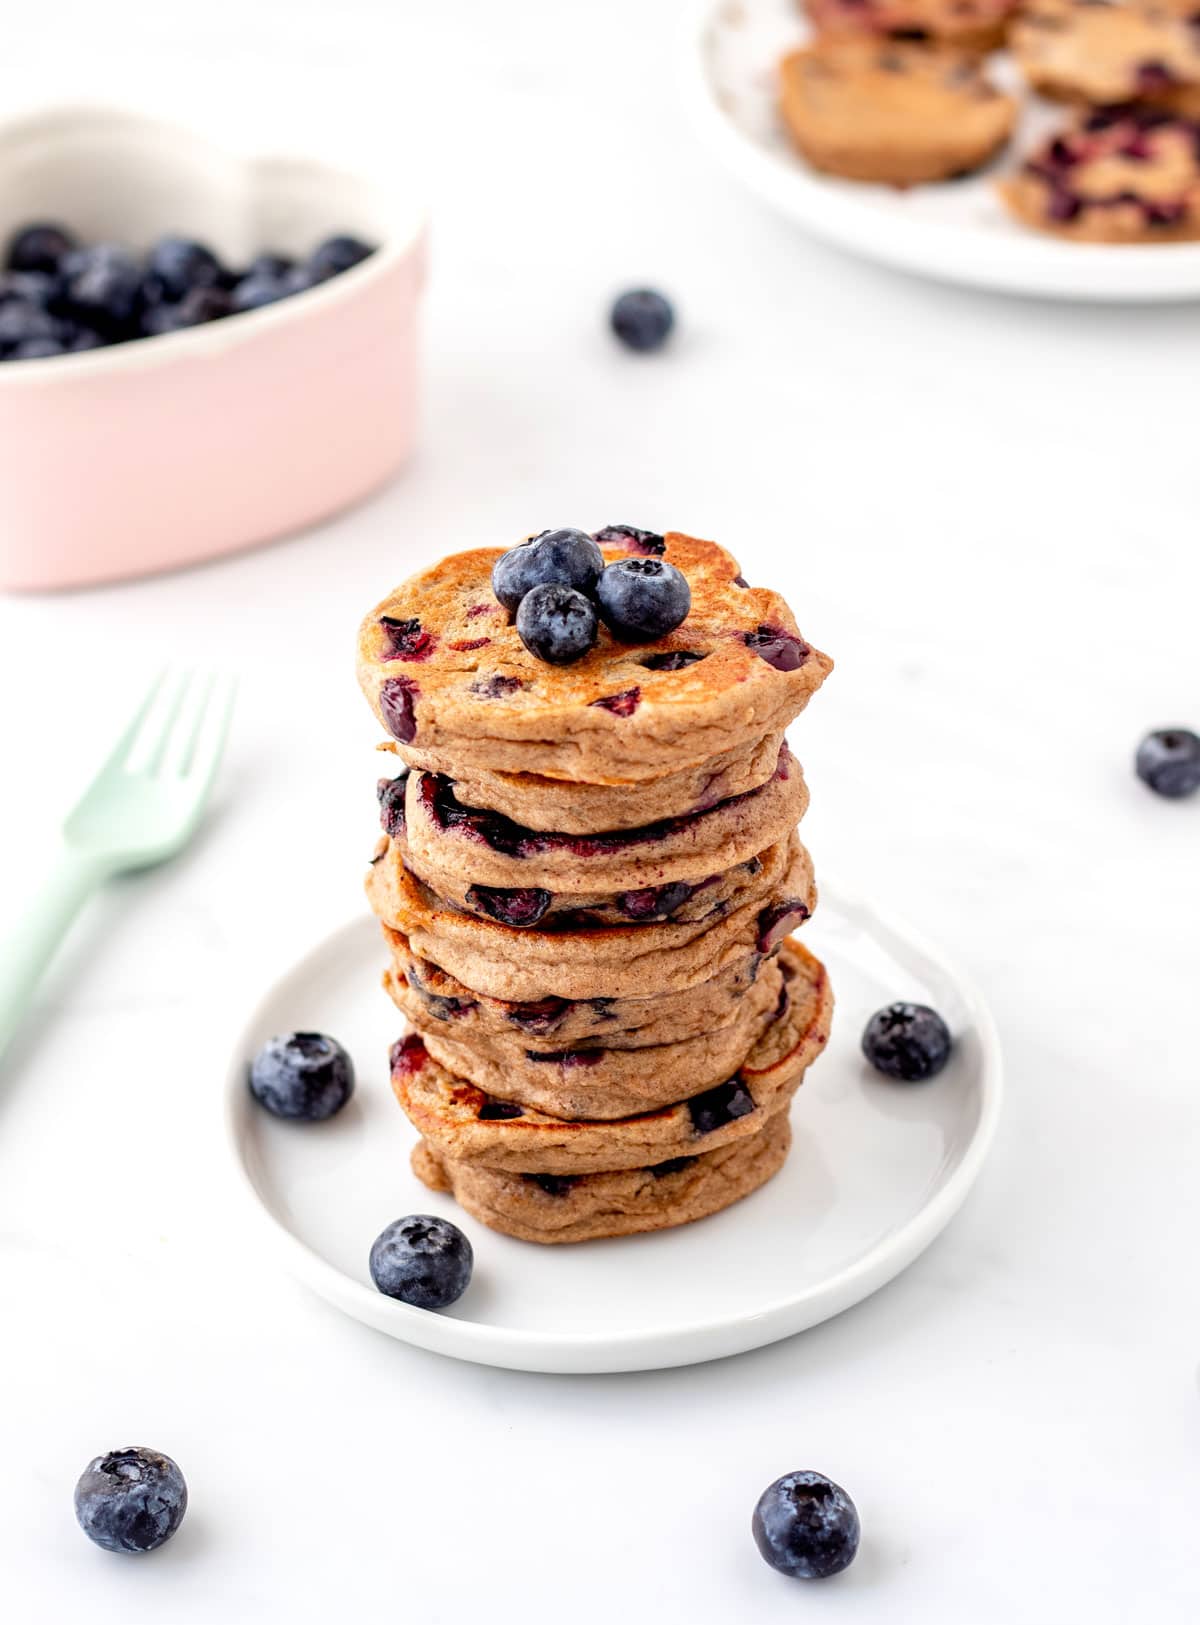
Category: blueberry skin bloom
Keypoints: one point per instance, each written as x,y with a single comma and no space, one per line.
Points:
130,1500
642,599
421,1260
557,624
806,1526
566,558
305,1076
910,1042
642,319
1168,760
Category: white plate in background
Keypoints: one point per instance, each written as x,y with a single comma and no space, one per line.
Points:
956,231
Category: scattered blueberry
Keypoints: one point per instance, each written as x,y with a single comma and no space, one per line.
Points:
641,599
806,1526
130,1500
176,265
1168,760
642,319
423,1261
907,1041
302,1075
778,920
566,558
335,255
557,624
38,247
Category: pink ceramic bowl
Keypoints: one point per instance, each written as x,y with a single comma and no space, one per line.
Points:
164,451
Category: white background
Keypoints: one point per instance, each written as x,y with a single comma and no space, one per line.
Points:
986,511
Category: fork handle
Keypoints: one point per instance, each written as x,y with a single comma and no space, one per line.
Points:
31,942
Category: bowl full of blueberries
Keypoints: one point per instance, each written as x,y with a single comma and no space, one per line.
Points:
199,349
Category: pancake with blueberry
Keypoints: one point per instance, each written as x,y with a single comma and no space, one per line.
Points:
586,1109
532,955
597,695
646,872
439,1003
588,1207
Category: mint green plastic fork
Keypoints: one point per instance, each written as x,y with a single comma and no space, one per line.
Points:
141,808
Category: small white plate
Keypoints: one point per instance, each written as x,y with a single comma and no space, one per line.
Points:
957,231
876,1170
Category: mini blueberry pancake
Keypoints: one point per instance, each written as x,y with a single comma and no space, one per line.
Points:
971,25
587,1207
1128,176
437,1002
599,1083
1077,50
891,112
682,901
449,678
651,870
564,806
525,963
604,1109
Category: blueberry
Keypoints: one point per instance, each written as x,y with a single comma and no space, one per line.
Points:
566,558
335,255
102,287
723,1104
641,599
391,793
21,322
36,349
642,319
423,1261
777,647
83,338
130,1500
193,310
806,1526
557,624
38,248
302,1075
518,906
272,265
264,287
1168,760
38,288
176,265
907,1041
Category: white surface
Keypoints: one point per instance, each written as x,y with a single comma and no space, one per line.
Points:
986,510
875,1173
958,231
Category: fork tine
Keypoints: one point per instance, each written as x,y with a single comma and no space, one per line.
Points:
161,743
119,756
207,743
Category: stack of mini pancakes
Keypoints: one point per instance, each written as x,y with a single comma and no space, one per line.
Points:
587,881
